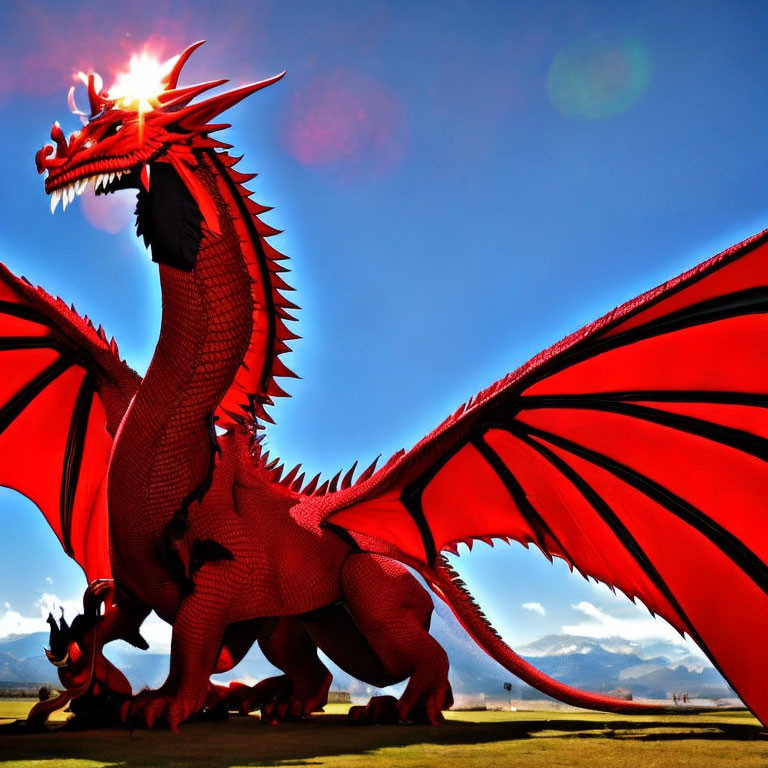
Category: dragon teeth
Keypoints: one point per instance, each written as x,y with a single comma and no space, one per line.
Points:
67,194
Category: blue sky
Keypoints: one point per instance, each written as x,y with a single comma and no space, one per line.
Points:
461,185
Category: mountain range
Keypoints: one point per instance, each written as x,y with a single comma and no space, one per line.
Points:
652,670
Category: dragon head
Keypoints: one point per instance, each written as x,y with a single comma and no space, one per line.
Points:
69,642
58,653
142,120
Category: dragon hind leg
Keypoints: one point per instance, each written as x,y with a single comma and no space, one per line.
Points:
396,626
303,688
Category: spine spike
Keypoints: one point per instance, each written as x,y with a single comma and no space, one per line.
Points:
346,481
311,485
288,479
241,178
368,471
273,464
264,229
297,483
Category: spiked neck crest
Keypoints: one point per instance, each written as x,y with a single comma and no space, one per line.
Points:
142,119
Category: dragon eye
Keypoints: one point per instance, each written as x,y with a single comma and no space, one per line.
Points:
112,130
88,143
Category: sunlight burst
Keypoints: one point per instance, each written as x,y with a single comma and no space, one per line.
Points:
139,87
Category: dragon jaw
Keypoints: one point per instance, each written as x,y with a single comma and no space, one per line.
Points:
105,153
126,134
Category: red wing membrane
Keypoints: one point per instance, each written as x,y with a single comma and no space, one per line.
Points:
58,373
635,449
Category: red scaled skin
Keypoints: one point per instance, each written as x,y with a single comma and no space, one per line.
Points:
282,566
162,453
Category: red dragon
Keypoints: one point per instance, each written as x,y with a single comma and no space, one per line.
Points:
635,449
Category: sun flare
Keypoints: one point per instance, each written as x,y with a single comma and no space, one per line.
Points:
139,87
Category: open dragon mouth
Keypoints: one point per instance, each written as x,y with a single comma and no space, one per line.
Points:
69,185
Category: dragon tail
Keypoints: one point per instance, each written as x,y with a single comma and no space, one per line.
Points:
447,585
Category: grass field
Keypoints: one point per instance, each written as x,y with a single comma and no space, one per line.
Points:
466,740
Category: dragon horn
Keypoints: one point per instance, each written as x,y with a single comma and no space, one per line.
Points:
180,97
94,93
173,76
195,116
73,107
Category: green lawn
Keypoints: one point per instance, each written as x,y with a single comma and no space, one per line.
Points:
467,740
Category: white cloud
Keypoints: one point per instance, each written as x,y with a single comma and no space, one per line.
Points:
535,608
599,624
49,602
49,579
157,633
14,623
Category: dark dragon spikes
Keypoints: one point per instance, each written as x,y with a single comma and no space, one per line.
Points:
369,470
311,485
346,481
290,476
334,482
297,483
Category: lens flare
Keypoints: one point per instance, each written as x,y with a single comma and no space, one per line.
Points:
594,79
139,87
109,213
351,125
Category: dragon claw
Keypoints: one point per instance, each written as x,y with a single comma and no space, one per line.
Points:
425,706
275,699
413,707
152,708
380,710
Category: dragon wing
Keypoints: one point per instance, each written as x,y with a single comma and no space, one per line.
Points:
635,449
63,393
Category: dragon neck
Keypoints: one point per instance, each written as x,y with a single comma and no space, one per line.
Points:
163,453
